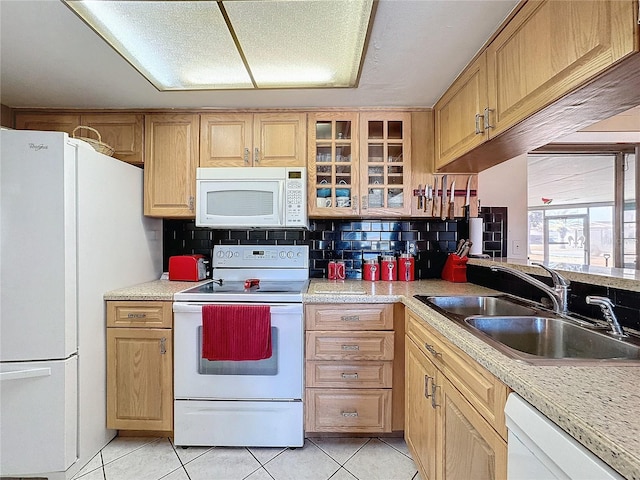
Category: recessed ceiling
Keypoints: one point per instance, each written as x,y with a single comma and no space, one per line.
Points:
50,58
231,44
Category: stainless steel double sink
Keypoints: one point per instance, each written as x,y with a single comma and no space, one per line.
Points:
528,332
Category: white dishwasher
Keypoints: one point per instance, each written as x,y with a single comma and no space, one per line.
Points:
540,450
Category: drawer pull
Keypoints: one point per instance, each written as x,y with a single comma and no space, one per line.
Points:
136,315
350,347
163,345
432,350
350,375
349,414
426,386
350,318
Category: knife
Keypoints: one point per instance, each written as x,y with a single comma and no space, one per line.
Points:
444,206
460,245
434,207
467,200
452,198
427,202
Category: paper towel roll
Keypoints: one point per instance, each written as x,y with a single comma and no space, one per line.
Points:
475,235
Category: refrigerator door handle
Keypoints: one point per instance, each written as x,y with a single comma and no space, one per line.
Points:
22,374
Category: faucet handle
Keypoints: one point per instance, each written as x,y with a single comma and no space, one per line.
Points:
558,280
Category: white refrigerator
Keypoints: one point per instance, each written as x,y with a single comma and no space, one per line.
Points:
72,229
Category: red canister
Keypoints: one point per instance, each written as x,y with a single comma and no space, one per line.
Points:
406,267
341,270
389,268
336,270
371,270
331,270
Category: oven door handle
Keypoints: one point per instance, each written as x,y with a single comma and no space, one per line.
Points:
186,307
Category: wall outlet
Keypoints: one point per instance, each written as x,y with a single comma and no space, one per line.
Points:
517,248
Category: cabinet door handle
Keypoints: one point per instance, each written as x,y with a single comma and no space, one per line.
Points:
427,389
354,204
350,318
353,376
365,202
432,350
163,345
136,315
433,395
487,123
478,131
256,155
350,347
191,199
246,156
349,414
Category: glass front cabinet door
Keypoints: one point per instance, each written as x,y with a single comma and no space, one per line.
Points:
359,164
385,163
333,164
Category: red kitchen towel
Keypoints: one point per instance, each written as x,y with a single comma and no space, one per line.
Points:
236,332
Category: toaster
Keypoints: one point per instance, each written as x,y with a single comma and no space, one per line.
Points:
190,268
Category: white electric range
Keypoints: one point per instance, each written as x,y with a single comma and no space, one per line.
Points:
243,403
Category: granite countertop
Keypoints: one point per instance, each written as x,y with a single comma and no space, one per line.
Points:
154,290
595,404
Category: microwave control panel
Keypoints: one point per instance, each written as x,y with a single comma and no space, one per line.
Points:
296,195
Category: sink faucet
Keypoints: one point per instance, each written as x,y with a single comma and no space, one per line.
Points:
559,294
606,306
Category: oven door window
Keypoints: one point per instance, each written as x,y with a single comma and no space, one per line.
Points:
266,367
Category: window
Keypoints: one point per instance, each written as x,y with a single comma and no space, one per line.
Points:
582,209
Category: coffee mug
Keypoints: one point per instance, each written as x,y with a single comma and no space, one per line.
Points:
323,202
343,201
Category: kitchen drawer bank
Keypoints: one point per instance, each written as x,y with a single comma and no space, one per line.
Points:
595,405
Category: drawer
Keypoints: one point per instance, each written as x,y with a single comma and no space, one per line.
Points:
339,374
141,314
375,316
479,386
349,345
344,410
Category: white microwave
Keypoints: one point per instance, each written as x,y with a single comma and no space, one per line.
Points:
246,197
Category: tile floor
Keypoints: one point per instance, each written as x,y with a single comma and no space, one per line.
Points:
133,458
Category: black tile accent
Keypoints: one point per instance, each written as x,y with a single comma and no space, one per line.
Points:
329,239
494,234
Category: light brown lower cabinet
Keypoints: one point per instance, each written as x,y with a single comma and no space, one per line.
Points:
454,420
139,366
349,368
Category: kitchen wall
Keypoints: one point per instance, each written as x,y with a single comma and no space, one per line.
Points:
506,185
6,116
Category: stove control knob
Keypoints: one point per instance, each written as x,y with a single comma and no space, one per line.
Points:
289,254
220,254
282,254
229,254
299,254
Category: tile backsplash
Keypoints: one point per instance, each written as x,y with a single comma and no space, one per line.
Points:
351,240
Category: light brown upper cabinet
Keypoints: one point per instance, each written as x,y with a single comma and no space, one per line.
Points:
171,159
56,122
547,50
459,114
359,164
253,140
122,131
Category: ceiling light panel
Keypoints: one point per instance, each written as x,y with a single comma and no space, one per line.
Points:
295,43
187,45
177,45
